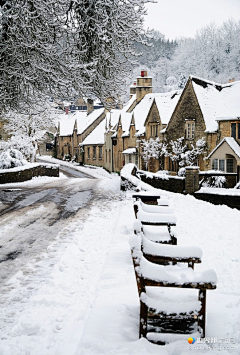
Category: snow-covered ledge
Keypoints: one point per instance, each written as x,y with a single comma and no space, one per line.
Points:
129,180
27,172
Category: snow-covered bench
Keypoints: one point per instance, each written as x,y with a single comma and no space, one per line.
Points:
164,254
158,234
152,275
162,217
150,197
162,209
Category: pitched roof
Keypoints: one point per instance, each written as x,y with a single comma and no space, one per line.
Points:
112,118
84,121
129,103
141,112
217,101
232,144
96,136
166,103
66,125
126,120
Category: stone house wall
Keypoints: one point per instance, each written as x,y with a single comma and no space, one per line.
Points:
94,155
186,111
225,130
64,146
118,159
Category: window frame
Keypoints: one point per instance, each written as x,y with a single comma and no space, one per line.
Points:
154,130
190,129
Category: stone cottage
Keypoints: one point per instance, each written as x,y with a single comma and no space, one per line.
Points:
198,115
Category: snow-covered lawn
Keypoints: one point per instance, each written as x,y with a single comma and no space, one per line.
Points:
80,296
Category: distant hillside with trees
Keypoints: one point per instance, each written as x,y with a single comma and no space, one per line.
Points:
213,54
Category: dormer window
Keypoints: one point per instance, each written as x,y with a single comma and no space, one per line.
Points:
190,128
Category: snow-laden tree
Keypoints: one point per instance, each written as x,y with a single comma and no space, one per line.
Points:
22,144
153,149
11,158
182,155
28,129
64,47
214,54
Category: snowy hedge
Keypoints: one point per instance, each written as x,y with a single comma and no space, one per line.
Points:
11,158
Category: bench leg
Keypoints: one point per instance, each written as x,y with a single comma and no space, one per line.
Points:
143,320
202,312
191,264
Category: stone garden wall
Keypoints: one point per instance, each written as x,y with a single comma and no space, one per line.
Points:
24,173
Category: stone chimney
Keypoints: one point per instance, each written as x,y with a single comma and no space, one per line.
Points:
231,80
133,89
144,85
90,106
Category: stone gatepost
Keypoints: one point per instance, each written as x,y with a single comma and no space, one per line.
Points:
192,179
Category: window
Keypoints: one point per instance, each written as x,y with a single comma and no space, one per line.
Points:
136,159
154,130
109,155
49,146
190,130
229,165
94,152
215,164
221,165
130,158
88,153
106,155
100,152
233,130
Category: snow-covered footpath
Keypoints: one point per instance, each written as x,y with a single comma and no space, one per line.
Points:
80,296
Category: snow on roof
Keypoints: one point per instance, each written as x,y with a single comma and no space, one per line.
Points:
232,144
130,102
217,100
141,112
96,136
84,120
112,118
129,151
166,103
66,125
126,120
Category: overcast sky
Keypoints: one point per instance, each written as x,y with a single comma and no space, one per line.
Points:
182,18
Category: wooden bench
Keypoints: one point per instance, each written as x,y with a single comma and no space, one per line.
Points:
147,197
152,275
157,218
156,234
160,264
164,254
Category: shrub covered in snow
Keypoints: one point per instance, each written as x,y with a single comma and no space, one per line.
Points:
11,158
214,181
237,186
182,172
21,144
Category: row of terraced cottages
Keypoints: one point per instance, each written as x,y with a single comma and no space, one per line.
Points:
203,109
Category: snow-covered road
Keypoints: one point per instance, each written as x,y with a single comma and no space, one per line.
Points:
78,296
33,217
